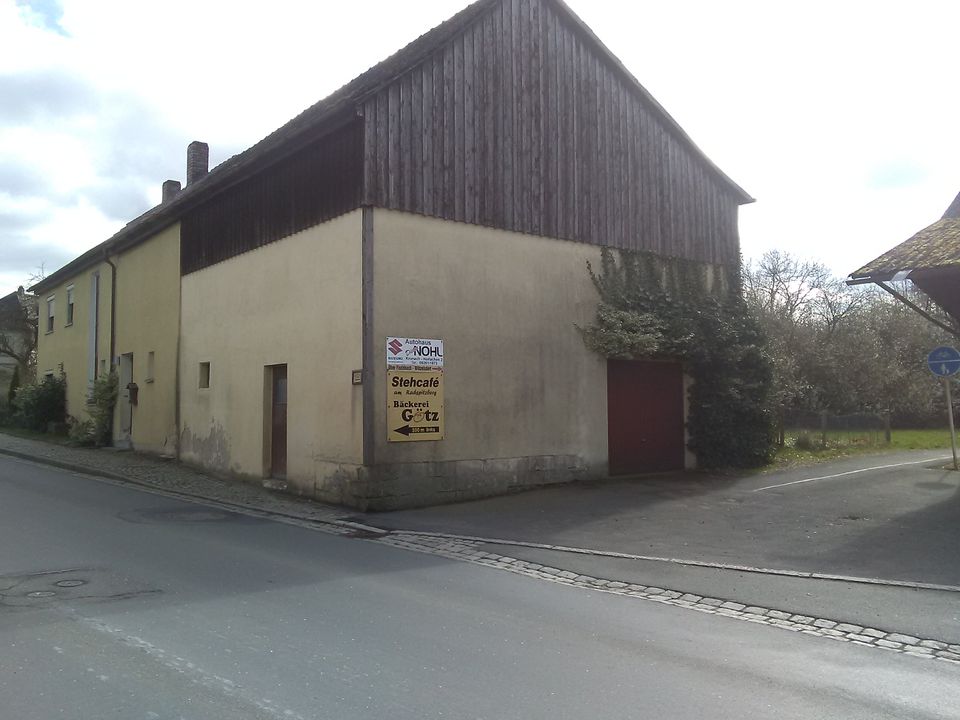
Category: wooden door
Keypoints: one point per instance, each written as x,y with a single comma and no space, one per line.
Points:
644,416
278,422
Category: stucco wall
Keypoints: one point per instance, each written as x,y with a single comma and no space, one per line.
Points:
525,401
295,302
67,346
148,315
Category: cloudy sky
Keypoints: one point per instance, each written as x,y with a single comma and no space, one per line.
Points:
839,117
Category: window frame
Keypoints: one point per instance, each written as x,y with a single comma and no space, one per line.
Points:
51,313
70,305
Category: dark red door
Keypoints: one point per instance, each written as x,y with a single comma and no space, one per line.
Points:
278,423
644,416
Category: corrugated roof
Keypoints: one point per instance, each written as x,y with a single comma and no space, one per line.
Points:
333,109
936,246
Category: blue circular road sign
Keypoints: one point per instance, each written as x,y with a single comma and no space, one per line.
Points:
944,361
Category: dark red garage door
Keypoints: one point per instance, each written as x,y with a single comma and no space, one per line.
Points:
644,416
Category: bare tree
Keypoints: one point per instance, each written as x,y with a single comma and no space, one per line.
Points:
838,348
784,287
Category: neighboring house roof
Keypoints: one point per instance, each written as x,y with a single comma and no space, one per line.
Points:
9,303
930,258
12,329
954,210
329,114
936,246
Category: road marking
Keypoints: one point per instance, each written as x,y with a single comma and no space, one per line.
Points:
850,472
189,670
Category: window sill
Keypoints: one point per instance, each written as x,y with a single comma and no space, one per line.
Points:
148,380
70,324
49,332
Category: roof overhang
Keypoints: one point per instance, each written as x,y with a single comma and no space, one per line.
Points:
930,259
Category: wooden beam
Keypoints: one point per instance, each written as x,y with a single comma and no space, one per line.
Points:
916,308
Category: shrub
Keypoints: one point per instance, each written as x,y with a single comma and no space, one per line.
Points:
105,389
40,404
660,308
806,442
80,432
14,385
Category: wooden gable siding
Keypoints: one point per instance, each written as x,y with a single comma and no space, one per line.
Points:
317,183
520,124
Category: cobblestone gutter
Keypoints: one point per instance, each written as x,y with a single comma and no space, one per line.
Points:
469,551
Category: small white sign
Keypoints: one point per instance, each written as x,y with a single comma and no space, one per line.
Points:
414,353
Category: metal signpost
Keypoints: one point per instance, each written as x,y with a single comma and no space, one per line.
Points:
943,362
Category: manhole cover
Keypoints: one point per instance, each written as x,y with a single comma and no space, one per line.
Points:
76,584
70,583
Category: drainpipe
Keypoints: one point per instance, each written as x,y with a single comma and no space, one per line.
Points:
113,309
113,335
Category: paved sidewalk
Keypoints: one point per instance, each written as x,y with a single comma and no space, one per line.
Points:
170,476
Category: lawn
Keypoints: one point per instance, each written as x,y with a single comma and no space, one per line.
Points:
807,446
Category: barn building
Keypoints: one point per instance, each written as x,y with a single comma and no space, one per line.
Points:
378,304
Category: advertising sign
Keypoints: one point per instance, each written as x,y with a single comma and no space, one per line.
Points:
414,353
414,405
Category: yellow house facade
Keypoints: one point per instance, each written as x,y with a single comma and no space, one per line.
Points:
292,306
148,325
116,309
74,328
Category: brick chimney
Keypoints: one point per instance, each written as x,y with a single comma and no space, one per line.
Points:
198,161
170,190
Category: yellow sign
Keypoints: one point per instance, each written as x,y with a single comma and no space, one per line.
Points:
414,405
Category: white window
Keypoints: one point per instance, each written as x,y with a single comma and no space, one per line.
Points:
70,305
204,375
150,366
50,313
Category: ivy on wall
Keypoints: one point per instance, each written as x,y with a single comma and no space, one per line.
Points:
658,308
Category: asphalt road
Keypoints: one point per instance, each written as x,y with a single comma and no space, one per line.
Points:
164,609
